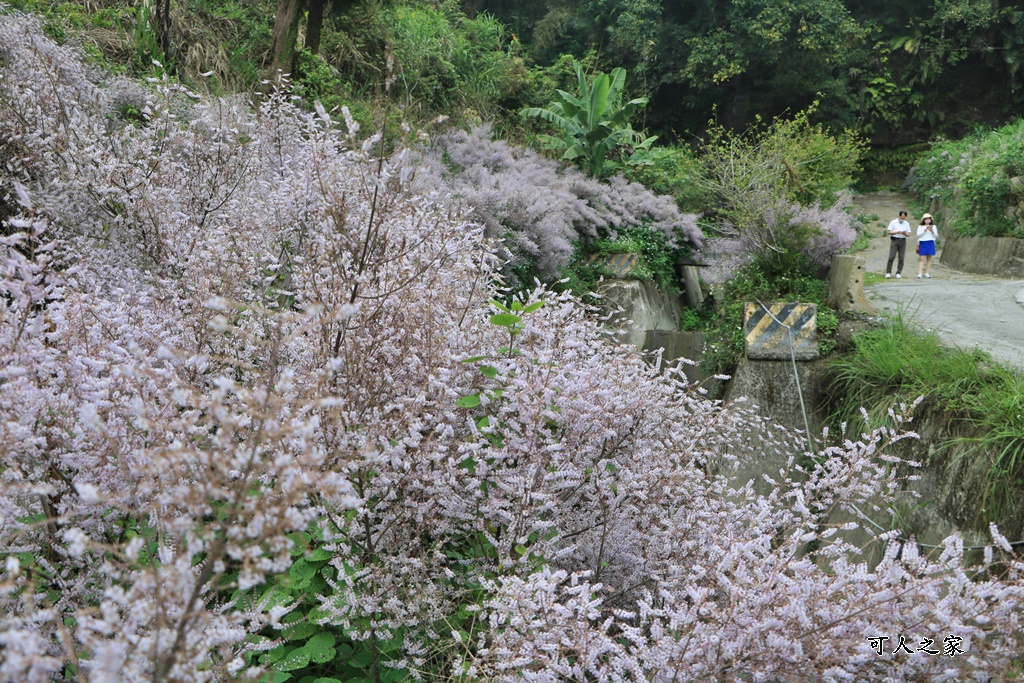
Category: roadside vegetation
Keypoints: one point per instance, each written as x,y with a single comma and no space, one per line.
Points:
981,402
977,182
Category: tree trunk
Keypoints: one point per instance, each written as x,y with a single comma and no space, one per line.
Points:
162,26
286,30
314,23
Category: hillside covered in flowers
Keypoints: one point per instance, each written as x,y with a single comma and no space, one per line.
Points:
267,414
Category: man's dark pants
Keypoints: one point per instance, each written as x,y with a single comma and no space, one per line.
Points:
896,247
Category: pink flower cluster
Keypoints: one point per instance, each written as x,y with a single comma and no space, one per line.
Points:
541,208
227,323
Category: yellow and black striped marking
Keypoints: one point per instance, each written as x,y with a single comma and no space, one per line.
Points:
766,335
618,264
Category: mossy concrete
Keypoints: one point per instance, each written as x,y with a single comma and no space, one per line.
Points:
638,307
941,497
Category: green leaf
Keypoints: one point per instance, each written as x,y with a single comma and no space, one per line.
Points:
497,304
319,555
536,305
296,659
474,359
489,371
300,631
363,658
471,401
394,675
301,573
505,319
321,648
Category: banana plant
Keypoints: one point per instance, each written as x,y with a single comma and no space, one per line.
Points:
595,124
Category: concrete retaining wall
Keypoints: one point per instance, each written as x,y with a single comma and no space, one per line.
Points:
1002,256
676,345
643,303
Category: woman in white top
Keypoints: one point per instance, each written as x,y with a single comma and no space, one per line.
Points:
926,234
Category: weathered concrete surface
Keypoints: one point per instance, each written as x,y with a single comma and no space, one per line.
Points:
946,498
645,304
780,331
772,387
1002,256
846,284
691,281
676,345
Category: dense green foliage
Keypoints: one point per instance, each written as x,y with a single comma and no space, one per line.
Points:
672,170
896,364
656,259
979,181
765,280
898,72
594,123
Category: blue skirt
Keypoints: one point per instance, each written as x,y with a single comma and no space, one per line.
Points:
927,247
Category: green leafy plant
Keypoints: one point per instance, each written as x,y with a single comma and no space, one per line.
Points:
765,279
979,182
860,243
656,258
673,171
895,363
595,123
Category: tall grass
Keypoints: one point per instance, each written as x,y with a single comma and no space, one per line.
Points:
997,409
896,364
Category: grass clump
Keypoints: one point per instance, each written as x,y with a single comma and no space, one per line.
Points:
896,364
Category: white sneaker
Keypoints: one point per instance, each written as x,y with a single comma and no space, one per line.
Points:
918,277
898,276
887,276
927,275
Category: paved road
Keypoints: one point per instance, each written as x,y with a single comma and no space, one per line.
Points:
965,310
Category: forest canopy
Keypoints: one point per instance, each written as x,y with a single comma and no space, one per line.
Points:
896,71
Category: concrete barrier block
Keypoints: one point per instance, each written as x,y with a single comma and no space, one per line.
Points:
768,332
846,278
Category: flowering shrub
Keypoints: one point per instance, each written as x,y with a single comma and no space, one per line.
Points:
768,186
788,233
543,209
259,421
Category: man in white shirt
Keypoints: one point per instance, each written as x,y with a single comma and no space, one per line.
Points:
898,231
